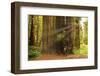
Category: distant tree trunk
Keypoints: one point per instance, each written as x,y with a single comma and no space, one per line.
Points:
85,32
40,31
76,33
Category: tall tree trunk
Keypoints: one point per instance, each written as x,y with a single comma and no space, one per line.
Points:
48,33
85,32
32,38
51,36
68,36
76,33
45,34
38,24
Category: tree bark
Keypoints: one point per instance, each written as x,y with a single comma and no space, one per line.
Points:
32,38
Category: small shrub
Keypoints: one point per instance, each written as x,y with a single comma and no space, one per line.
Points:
33,52
83,51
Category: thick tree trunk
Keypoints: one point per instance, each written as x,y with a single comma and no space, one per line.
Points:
45,34
68,42
48,30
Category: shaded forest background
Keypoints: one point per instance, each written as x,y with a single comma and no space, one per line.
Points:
59,35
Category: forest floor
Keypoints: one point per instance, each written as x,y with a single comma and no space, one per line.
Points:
53,56
81,53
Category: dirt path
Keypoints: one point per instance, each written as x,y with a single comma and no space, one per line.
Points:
53,56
